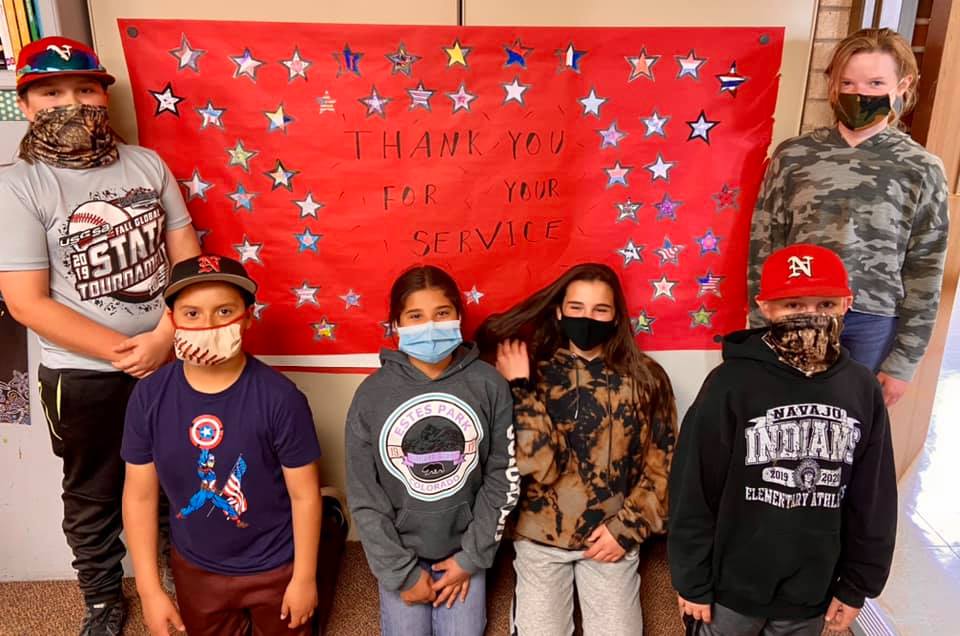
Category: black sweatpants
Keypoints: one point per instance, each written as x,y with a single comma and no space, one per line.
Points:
85,412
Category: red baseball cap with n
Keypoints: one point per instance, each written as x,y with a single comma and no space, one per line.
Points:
56,56
803,270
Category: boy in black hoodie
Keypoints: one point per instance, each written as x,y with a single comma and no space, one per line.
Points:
783,493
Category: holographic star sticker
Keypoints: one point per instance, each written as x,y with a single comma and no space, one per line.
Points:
461,99
420,97
246,65
627,210
731,80
660,169
631,252
186,56
309,207
702,317
726,198
296,66
514,91
641,65
669,252
351,299
282,178
592,103
387,329
305,294
324,330
643,323
348,61
709,283
240,156
655,124
402,61
375,103
456,54
196,186
212,116
279,119
166,101
258,310
242,199
202,235
689,65
473,296
516,54
617,175
667,208
663,288
570,58
610,138
709,243
247,251
307,241
700,127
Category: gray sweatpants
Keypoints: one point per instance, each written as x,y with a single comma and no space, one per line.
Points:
609,593
726,622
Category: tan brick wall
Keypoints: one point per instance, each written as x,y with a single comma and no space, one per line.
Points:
833,24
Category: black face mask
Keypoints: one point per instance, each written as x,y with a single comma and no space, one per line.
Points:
858,112
587,333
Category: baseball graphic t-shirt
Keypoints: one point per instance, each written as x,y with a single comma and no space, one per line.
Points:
101,234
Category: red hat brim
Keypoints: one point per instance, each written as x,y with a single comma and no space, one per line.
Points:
24,81
820,291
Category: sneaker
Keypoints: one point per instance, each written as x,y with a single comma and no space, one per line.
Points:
104,619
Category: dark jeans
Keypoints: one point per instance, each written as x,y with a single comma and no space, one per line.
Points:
727,622
868,338
85,412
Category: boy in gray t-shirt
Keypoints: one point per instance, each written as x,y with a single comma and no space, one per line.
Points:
90,229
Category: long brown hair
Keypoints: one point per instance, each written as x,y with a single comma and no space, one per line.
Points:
423,277
534,320
875,41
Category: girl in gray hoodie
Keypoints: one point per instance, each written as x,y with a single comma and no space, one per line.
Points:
431,476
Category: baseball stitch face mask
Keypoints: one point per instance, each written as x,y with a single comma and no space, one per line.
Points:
209,346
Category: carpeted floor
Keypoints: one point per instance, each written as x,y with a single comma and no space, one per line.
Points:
53,608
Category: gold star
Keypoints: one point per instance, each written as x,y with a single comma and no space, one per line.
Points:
456,54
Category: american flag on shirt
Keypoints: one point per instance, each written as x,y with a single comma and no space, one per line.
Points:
232,489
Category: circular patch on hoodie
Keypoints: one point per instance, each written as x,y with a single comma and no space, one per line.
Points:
430,444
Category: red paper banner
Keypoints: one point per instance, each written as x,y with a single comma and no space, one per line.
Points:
329,158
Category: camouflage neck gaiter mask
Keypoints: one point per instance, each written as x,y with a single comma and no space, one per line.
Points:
810,343
858,112
77,136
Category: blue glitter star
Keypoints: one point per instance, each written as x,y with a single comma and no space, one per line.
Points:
307,240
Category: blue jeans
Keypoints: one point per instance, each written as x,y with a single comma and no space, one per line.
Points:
468,618
868,338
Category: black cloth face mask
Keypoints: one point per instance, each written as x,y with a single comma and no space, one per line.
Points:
587,333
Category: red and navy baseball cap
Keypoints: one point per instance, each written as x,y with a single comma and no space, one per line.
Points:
57,56
208,268
803,270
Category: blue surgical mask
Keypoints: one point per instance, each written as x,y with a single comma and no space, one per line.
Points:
431,341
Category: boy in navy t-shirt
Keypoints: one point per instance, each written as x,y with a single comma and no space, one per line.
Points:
232,443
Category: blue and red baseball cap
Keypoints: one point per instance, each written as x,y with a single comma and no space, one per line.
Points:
57,56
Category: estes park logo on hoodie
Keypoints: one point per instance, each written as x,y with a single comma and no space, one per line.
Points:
430,444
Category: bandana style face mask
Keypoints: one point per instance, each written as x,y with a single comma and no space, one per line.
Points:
77,136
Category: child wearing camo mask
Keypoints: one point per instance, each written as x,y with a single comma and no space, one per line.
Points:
874,196
783,493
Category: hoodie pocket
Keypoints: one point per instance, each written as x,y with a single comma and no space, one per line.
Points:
794,568
434,534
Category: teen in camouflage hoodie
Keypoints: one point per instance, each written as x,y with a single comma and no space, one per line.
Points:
873,195
595,429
